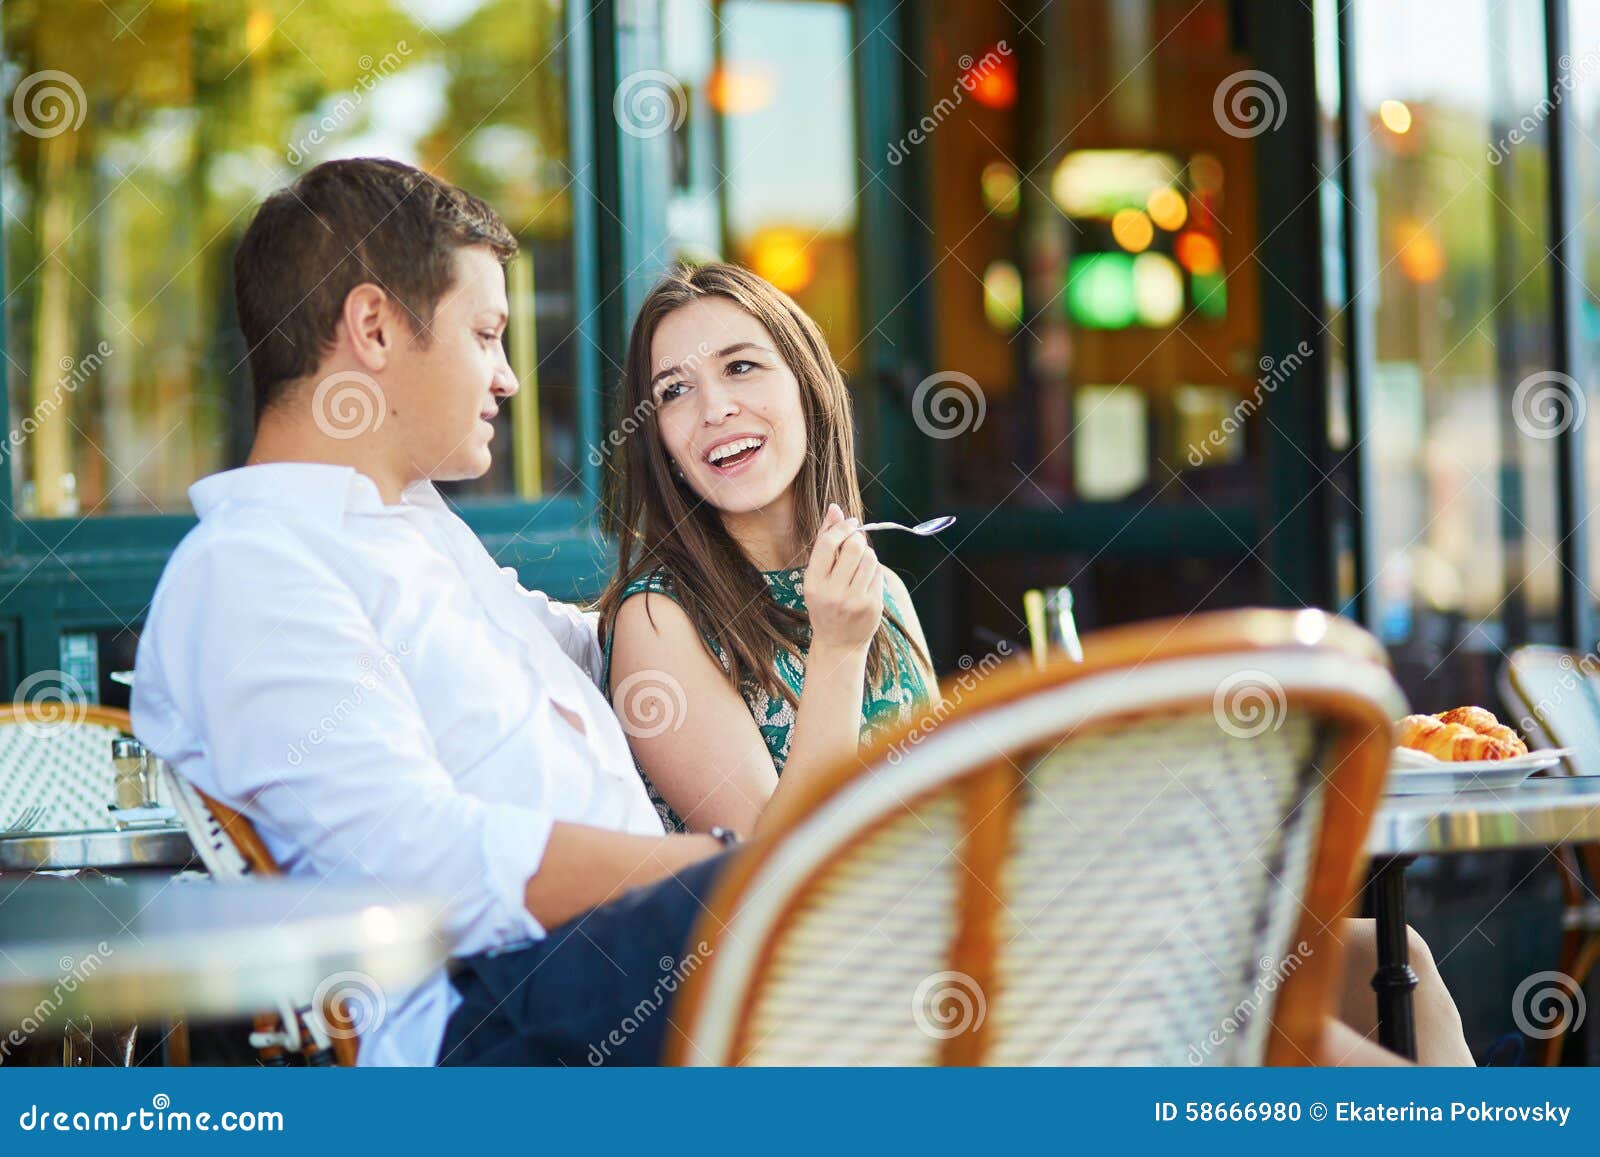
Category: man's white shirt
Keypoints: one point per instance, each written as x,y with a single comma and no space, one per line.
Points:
370,689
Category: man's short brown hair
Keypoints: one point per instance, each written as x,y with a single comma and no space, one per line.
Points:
339,225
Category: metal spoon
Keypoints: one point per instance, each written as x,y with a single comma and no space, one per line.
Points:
922,529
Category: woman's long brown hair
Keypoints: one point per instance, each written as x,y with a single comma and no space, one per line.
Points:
661,525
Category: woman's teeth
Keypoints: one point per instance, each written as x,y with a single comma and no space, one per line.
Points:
731,453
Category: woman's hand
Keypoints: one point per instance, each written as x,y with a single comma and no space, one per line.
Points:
843,586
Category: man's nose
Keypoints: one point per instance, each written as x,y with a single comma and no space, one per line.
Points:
505,382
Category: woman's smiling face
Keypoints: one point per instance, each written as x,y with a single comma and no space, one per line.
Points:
728,405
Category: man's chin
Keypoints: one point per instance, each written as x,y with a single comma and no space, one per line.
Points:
464,468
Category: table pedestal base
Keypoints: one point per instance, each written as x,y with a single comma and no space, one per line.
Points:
1394,980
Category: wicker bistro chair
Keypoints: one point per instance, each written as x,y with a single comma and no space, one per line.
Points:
1556,694
1132,860
59,762
232,850
55,768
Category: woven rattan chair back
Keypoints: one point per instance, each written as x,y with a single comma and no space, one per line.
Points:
1556,696
57,757
1133,860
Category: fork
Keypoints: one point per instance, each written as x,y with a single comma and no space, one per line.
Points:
26,820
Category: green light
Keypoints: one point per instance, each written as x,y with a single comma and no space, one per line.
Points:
1210,295
1100,291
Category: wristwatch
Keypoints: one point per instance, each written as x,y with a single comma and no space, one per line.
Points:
726,837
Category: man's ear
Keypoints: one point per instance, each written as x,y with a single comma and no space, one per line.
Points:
369,325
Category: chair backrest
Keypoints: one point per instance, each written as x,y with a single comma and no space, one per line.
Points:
1132,860
1556,694
61,762
232,850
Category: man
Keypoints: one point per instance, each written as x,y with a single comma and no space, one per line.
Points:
332,652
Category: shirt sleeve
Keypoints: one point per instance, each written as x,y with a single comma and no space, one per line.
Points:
260,664
576,631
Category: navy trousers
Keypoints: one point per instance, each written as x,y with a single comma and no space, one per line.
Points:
596,991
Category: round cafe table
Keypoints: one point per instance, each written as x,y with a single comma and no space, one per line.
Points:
1537,813
110,850
153,948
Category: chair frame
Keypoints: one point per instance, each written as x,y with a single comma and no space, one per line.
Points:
1347,681
1579,864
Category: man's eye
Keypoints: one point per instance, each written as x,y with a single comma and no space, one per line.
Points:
488,335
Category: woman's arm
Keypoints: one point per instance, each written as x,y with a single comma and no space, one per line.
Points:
705,754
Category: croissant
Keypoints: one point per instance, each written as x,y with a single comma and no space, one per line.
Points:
1453,742
1484,723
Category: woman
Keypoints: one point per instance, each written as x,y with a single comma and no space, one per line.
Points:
738,505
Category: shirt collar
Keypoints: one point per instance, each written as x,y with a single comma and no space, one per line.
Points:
317,490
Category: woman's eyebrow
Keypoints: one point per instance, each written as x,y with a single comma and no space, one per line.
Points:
722,353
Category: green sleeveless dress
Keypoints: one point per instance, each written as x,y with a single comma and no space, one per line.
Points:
896,698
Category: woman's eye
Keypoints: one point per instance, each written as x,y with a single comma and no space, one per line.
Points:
734,367
669,391
488,335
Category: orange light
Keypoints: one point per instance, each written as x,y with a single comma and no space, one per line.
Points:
1418,252
1198,253
992,80
1396,117
781,256
1132,230
1168,209
734,91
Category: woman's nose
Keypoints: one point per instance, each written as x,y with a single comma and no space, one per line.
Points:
505,382
719,404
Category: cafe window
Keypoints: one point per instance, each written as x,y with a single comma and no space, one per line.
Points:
1092,222
143,136
1462,450
759,99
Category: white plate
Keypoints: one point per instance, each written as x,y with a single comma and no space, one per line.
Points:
1416,773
